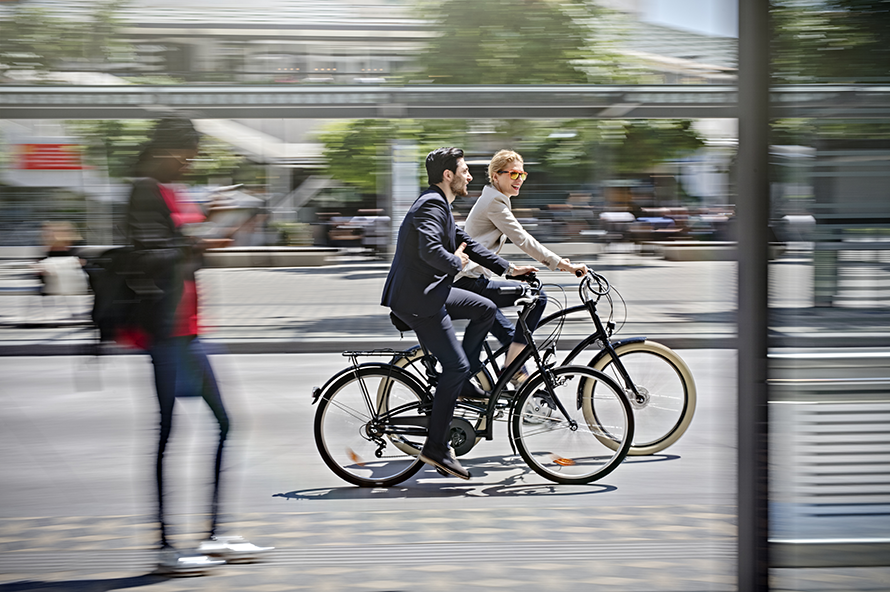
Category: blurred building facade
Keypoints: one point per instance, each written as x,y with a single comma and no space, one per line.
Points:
305,42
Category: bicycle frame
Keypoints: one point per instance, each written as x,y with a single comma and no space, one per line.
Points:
529,351
602,334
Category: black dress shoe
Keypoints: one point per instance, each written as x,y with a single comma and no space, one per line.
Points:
471,391
444,462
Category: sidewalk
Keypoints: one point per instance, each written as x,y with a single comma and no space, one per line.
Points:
688,304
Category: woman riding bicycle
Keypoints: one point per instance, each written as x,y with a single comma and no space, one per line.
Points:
490,223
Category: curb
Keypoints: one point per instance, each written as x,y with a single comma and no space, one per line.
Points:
320,346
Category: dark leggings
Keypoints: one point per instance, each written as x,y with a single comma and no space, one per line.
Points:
183,361
502,328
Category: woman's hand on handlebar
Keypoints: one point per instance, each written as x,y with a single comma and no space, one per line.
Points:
579,269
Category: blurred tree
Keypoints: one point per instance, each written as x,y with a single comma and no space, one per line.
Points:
844,41
647,143
584,151
524,42
34,38
112,144
357,152
29,38
570,152
97,42
352,151
831,41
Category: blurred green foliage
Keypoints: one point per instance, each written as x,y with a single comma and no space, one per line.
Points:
845,41
584,151
529,42
32,38
806,132
571,151
526,42
357,152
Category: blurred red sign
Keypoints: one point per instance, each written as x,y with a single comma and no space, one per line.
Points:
49,157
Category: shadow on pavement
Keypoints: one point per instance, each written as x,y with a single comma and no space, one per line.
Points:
429,484
85,585
637,460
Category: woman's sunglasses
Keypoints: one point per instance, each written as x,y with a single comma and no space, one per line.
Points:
515,174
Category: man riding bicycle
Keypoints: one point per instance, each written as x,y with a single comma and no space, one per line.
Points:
431,250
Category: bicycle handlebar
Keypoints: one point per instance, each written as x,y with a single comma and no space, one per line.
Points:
594,283
527,294
511,290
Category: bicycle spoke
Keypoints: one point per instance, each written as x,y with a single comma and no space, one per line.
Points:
364,449
572,449
665,398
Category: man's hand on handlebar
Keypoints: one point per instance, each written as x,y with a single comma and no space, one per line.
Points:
523,270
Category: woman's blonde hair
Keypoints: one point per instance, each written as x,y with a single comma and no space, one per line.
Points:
499,160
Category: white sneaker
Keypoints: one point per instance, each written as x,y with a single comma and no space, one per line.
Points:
173,563
232,549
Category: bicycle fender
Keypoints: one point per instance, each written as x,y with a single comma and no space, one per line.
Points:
615,344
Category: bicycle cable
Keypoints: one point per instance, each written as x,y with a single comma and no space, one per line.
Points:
556,332
603,289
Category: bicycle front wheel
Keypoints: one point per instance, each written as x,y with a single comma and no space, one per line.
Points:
666,397
370,426
555,437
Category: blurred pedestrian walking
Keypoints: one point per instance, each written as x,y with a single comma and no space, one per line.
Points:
166,254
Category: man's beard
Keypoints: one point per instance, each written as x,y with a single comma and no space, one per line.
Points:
457,189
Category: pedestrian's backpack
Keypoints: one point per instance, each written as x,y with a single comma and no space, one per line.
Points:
114,302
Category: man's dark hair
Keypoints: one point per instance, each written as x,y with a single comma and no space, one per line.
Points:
440,160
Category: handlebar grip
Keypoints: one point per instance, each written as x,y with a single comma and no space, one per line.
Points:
511,290
579,273
526,277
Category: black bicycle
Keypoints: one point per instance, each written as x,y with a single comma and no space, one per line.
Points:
654,377
570,424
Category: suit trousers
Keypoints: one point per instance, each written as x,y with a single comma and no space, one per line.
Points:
436,333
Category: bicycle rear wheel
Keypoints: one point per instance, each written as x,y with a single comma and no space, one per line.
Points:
667,393
568,448
370,426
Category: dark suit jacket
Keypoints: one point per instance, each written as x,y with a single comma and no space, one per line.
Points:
424,265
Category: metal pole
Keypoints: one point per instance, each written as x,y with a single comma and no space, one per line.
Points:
753,242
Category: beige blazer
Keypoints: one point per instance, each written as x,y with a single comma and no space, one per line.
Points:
491,222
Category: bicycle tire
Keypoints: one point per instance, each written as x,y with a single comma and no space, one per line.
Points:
668,390
571,450
368,447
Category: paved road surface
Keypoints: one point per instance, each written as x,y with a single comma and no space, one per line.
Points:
75,503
